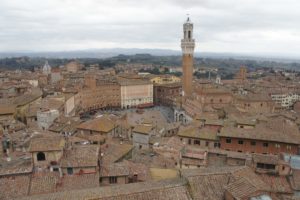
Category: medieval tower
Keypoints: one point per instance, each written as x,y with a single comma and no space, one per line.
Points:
187,46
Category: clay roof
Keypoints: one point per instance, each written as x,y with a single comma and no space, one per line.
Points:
93,138
143,129
242,188
101,124
14,187
47,144
201,133
252,178
173,189
211,183
162,173
27,98
76,182
208,187
113,152
278,130
43,183
114,169
81,156
255,97
278,184
215,122
133,81
7,109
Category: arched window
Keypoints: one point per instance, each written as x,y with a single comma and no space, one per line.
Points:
189,34
40,156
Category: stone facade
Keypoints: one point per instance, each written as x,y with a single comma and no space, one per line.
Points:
139,94
166,94
45,118
254,105
103,96
263,147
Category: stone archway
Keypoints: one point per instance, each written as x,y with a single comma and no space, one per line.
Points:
181,118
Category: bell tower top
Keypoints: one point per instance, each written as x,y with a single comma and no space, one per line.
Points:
188,43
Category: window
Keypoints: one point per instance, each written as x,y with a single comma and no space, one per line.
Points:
216,144
260,165
288,147
277,145
265,144
113,179
55,169
190,141
40,156
70,170
265,166
241,142
253,143
206,143
189,34
228,140
211,101
197,142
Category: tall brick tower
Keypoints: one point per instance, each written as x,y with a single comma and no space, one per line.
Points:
187,46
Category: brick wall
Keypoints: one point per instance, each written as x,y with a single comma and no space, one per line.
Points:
246,147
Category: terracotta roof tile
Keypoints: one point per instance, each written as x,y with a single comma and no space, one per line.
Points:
143,129
277,130
200,133
14,187
43,183
55,143
174,189
102,124
81,156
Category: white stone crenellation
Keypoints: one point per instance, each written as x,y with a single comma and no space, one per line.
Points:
188,43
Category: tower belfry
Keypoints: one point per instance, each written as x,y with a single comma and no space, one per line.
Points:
187,46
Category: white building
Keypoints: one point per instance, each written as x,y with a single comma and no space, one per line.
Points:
141,135
136,92
46,68
45,118
285,100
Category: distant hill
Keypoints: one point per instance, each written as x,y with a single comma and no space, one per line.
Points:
107,53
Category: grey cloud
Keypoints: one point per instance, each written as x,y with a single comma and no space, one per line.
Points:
220,25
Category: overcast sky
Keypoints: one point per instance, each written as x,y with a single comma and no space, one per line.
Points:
238,26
